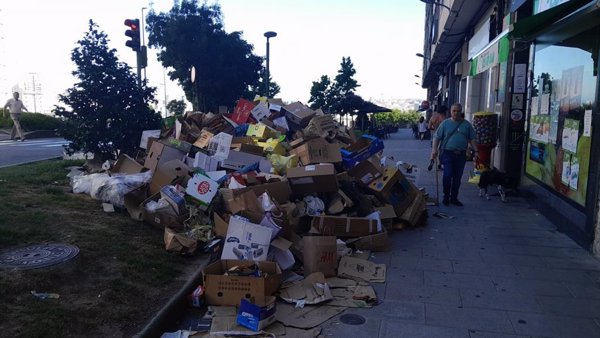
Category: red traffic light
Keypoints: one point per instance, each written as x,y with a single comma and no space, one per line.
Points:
134,33
134,24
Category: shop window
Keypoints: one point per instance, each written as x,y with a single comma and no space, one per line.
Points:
560,115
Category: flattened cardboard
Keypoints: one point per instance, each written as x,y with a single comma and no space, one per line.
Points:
345,226
306,317
362,270
146,135
246,241
318,151
237,160
279,191
162,217
221,225
355,297
228,290
260,111
127,165
204,139
252,149
202,161
133,202
312,290
313,178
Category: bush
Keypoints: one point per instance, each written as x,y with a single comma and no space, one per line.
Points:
396,117
32,121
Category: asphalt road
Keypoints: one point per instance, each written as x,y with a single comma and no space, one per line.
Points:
15,152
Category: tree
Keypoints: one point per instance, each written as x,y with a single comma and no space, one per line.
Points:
258,88
105,111
335,96
192,35
319,92
176,107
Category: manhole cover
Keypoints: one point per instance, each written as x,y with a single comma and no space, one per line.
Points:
352,319
37,256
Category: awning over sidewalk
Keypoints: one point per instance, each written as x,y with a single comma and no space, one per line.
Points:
528,28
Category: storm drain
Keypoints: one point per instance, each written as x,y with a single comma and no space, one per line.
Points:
37,256
352,319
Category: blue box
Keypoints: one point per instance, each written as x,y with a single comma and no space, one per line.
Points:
361,150
258,314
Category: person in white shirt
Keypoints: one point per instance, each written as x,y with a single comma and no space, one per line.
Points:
422,128
16,107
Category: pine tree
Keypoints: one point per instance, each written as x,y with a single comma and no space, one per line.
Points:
106,111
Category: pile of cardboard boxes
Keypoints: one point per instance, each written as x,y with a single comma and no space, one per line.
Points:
286,200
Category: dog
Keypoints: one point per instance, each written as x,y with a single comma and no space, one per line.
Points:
494,177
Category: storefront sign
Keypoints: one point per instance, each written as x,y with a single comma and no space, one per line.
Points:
494,53
542,5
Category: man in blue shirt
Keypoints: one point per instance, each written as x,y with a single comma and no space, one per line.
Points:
452,138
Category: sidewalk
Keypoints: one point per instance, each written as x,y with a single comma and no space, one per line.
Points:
495,270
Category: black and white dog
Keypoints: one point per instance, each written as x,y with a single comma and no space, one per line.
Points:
493,177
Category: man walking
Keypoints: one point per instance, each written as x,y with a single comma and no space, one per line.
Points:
453,137
16,107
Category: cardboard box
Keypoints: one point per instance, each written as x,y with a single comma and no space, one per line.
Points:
246,241
242,111
313,178
133,202
412,214
237,142
258,313
179,243
220,225
361,150
219,146
279,191
272,146
392,187
170,194
251,148
202,161
345,226
160,153
319,255
229,290
168,173
318,151
127,165
202,188
366,171
204,139
237,160
164,217
260,131
299,114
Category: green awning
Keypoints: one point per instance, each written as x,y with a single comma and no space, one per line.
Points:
528,28
495,52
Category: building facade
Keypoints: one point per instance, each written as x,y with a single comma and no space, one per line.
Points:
535,64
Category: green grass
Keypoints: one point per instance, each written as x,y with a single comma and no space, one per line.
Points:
112,283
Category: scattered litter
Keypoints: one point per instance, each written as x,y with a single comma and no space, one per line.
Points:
107,207
443,215
45,295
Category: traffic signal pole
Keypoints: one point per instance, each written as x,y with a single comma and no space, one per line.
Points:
135,44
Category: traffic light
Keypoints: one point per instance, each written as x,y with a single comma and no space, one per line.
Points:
134,33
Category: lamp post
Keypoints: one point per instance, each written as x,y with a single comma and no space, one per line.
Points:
268,35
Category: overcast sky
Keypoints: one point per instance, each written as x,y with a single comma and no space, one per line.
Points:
381,37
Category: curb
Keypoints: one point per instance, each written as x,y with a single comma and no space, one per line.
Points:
173,308
5,134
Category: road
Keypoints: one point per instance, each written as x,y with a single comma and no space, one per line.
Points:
13,152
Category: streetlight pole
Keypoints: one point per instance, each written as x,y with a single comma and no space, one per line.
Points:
268,35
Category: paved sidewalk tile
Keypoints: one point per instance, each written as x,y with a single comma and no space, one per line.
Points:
391,329
458,280
571,307
550,274
482,334
530,286
497,300
553,326
335,328
421,263
485,269
586,291
395,310
475,319
427,294
402,277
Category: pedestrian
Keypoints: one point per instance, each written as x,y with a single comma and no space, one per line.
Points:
422,128
437,118
452,138
15,108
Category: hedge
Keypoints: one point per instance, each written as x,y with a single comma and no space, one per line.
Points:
31,121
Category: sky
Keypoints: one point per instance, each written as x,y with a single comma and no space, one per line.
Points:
381,37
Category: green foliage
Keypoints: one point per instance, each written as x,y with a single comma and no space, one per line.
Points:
258,88
105,111
176,107
192,35
398,117
33,121
337,96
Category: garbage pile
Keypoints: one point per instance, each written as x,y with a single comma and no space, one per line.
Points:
288,202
